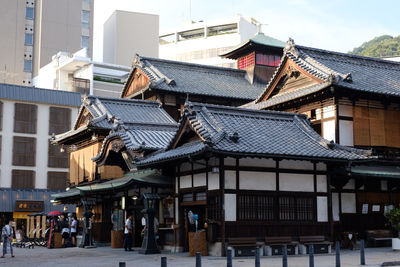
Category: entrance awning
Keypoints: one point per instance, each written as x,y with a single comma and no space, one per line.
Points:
377,171
73,192
150,177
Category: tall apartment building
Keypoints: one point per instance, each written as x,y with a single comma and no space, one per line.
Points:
31,169
203,42
33,31
129,33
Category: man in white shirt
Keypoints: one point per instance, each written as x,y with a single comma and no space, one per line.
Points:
74,230
128,234
6,236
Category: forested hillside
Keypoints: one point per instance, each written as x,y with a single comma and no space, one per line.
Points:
381,46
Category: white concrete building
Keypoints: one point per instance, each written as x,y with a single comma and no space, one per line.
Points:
203,42
31,169
127,34
78,73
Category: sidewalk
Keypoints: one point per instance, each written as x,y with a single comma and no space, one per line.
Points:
105,256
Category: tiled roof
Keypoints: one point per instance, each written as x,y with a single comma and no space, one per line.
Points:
39,95
196,79
260,39
284,97
363,74
141,124
244,132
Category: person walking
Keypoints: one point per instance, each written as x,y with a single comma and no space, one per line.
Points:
128,234
7,234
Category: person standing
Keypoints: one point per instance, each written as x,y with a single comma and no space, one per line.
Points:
7,235
128,234
74,230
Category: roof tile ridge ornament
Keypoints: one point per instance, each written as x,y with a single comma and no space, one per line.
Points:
291,47
158,76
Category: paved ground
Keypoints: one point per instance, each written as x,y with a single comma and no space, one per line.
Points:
105,256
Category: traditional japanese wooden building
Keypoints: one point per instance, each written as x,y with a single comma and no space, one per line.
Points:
259,56
173,82
353,101
251,174
108,134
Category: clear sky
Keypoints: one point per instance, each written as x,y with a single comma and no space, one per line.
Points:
338,25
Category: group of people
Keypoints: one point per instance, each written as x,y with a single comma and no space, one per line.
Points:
69,229
129,226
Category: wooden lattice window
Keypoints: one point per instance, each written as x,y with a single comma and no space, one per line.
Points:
57,159
23,179
214,207
25,118
57,180
292,208
60,120
255,208
24,151
246,61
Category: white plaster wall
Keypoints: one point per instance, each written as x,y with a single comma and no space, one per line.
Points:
176,185
185,167
328,130
350,184
296,182
384,185
199,179
335,207
230,207
185,181
345,110
346,137
230,179
296,164
213,181
328,112
322,183
256,162
348,203
230,161
322,209
257,180
321,166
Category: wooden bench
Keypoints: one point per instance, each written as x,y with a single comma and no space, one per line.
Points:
381,238
244,246
320,244
274,244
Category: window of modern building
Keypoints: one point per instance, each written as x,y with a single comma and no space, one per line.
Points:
84,41
23,179
28,39
57,180
29,14
0,146
24,151
25,118
85,18
28,65
60,120
57,159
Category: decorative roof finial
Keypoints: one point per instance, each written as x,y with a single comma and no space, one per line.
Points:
291,47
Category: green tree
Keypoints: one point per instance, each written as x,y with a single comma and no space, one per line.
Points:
393,217
381,46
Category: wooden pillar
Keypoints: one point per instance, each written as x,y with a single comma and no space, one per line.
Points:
330,210
222,190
